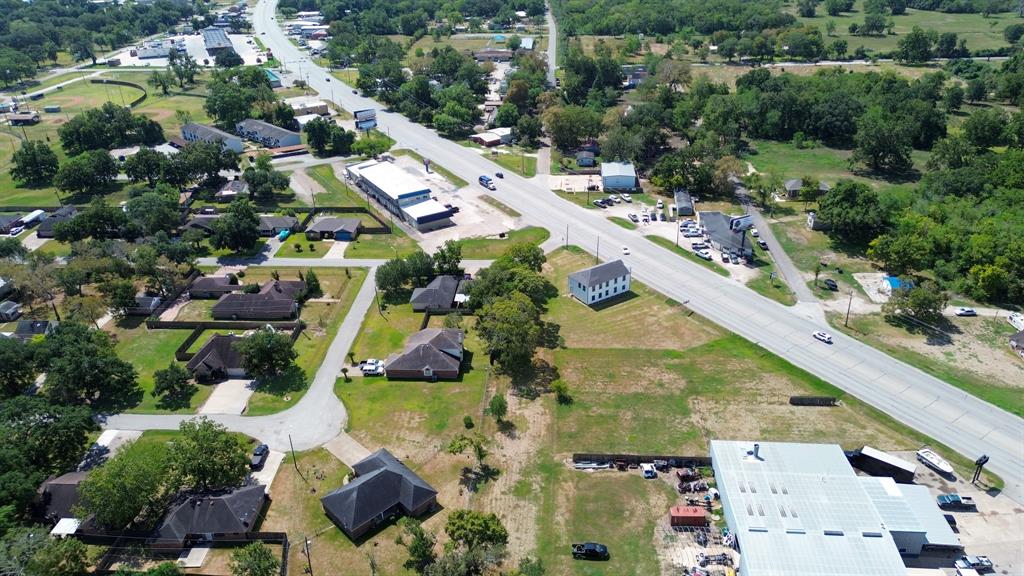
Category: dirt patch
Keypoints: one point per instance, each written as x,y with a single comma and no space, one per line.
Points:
678,548
159,115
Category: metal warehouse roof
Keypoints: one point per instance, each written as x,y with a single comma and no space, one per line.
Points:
617,169
392,180
426,209
799,510
216,38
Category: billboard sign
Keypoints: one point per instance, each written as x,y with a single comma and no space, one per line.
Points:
744,222
365,119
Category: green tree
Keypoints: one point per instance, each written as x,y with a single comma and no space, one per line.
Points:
119,295
523,255
853,211
82,368
985,128
476,443
568,126
125,487
84,309
830,27
924,302
313,289
238,229
976,90
318,134
839,48
17,367
146,165
12,250
498,407
507,115
953,98
228,59
418,542
952,152
915,47
256,559
164,81
448,258
419,268
474,529
266,354
59,557
528,130
174,383
391,277
154,211
263,183
881,142
87,173
511,330
207,456
34,163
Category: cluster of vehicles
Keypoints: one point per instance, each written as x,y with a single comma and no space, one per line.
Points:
33,217
614,199
372,367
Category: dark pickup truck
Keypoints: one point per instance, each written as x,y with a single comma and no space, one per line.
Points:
590,551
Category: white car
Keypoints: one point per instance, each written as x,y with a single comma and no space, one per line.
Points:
703,254
959,311
625,250
17,230
627,198
373,367
823,336
614,198
660,204
754,232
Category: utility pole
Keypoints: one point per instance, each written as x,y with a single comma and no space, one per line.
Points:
566,235
848,305
597,254
295,462
309,559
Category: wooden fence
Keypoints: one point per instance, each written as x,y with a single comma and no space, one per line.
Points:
675,461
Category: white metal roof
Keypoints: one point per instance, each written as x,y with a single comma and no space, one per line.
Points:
392,180
922,504
617,169
799,510
424,209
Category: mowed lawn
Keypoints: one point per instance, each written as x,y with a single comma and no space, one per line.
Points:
149,351
322,321
490,248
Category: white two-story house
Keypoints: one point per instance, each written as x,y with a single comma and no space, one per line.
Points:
599,283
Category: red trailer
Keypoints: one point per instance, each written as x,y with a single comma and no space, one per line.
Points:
688,516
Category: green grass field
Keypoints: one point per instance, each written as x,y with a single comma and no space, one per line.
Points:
525,166
337,193
302,248
490,248
625,223
979,31
149,351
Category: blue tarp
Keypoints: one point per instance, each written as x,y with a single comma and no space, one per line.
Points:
895,283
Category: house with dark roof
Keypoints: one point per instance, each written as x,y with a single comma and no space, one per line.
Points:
443,293
793,187
5,287
585,159
217,359
212,287
144,305
267,134
599,283
273,225
1017,343
28,329
195,518
202,222
230,190
430,354
345,229
383,488
62,214
9,221
58,496
276,300
721,235
683,202
192,132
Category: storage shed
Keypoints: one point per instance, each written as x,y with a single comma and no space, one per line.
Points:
878,463
688,516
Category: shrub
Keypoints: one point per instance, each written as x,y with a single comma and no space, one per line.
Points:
467,421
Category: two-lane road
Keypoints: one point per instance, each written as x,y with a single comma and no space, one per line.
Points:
935,408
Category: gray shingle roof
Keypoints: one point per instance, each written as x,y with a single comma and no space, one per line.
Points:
275,222
350,225
717,226
214,284
381,482
206,133
232,511
796,184
600,274
1018,339
440,293
60,495
263,129
217,355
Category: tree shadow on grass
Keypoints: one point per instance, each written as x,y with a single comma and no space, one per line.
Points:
508,429
179,400
534,380
937,332
904,177
291,380
472,479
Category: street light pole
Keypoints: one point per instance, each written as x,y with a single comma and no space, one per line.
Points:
849,304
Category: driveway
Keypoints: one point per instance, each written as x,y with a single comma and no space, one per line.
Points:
32,242
266,474
229,397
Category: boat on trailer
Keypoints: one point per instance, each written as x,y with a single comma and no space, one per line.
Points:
934,461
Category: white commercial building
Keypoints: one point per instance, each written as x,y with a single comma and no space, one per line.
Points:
800,510
400,193
303,105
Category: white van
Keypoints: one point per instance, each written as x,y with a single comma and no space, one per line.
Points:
648,471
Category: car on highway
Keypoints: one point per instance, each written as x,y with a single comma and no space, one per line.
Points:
823,336
328,78
754,232
962,311
625,250
499,174
259,457
486,182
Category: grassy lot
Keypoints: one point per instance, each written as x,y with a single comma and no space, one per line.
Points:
523,165
55,248
306,249
586,199
459,43
149,351
385,332
979,31
625,223
322,322
337,193
261,243
980,363
500,206
807,248
728,73
490,248
455,180
776,288
349,76
709,264
197,310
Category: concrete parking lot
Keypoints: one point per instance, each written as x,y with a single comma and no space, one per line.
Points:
243,44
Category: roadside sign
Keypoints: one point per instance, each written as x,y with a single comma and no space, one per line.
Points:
741,223
365,119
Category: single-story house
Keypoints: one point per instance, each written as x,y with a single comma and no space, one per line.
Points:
144,305
526,43
192,132
62,214
211,287
29,329
487,139
267,134
382,488
217,359
203,222
633,75
722,237
276,300
440,294
618,176
230,190
303,105
304,119
585,159
793,187
492,55
683,202
274,225
9,311
599,283
345,229
430,354
9,221
1017,343
58,496
503,133
195,518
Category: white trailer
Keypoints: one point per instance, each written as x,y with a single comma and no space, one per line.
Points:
32,217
